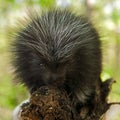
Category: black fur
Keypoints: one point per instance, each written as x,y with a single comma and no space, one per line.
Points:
59,48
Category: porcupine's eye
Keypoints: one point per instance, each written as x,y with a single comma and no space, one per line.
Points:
41,65
37,62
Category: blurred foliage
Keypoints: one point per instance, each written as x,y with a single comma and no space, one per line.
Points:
104,14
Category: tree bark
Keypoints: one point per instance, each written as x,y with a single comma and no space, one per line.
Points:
50,103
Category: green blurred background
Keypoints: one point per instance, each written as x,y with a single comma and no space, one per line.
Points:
105,14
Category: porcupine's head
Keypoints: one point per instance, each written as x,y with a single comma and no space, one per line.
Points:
44,49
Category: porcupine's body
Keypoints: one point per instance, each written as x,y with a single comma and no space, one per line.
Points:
61,49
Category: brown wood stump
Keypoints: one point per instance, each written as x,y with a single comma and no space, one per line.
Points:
50,103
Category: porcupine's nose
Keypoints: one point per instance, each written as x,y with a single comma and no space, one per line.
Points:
55,79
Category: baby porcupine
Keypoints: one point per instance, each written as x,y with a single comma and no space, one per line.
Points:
61,49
